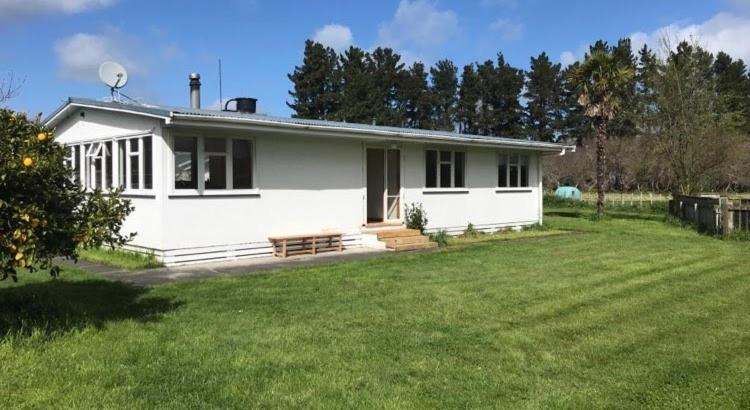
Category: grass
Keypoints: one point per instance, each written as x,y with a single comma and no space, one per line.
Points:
629,312
120,258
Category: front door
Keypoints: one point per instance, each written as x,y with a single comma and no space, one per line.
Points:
383,184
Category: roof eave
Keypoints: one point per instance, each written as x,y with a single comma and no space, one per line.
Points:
188,119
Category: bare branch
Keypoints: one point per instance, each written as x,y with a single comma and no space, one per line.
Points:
9,87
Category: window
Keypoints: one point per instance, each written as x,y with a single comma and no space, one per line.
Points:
114,163
185,163
225,163
215,163
242,169
445,169
512,171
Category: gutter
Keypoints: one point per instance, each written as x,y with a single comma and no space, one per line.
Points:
364,133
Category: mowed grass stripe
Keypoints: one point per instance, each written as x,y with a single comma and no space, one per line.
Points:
623,313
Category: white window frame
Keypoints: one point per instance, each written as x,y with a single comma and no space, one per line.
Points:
452,163
87,175
514,160
202,155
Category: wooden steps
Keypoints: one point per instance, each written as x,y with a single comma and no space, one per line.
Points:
405,240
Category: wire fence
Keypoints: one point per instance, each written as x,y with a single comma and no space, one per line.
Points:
628,198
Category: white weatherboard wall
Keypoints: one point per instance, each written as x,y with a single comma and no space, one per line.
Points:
305,183
481,203
95,125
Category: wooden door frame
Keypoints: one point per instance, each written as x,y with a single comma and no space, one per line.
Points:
385,147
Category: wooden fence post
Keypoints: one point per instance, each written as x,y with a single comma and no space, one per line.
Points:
726,217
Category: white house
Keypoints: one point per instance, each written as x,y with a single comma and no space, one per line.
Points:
216,184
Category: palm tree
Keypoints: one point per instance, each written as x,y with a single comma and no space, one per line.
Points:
597,81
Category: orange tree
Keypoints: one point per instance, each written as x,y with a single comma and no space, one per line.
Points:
44,211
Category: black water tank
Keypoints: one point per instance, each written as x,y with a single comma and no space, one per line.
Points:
243,105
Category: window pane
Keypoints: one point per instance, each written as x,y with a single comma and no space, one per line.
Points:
524,171
215,145
108,163
98,172
121,163
242,166
430,169
148,173
185,163
502,171
514,176
445,156
458,170
215,168
445,175
77,162
134,171
133,145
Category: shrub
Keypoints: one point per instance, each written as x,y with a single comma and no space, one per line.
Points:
416,217
470,231
44,212
440,237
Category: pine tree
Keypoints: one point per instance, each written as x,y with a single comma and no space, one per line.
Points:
544,94
508,111
316,86
487,118
359,101
415,100
443,90
733,87
468,101
626,121
387,73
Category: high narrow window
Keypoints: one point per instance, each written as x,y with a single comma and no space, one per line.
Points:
185,163
113,163
445,169
502,171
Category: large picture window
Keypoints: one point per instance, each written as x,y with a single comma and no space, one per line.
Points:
445,169
213,163
113,163
512,171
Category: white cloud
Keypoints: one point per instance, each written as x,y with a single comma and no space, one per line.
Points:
417,25
79,56
336,36
722,32
509,30
567,58
29,8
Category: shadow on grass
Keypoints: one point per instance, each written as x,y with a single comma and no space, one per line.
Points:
55,307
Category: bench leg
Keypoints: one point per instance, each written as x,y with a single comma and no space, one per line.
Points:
273,248
341,245
283,248
314,243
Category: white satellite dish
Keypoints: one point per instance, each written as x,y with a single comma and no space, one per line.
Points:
113,74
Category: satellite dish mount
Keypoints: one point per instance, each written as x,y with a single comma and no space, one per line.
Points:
115,77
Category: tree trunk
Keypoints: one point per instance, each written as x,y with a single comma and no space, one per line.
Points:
601,157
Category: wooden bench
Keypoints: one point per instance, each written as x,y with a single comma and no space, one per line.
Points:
306,243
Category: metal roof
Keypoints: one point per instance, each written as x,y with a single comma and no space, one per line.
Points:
180,114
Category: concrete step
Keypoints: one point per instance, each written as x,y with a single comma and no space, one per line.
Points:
398,233
415,246
405,240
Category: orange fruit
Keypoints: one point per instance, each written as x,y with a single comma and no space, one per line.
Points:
41,137
27,162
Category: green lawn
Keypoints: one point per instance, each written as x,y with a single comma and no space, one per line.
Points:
120,258
624,312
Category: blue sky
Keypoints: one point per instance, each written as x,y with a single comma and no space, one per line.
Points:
55,46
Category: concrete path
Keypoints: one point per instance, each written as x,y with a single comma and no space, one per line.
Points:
226,268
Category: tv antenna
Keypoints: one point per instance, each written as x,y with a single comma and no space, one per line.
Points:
115,77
